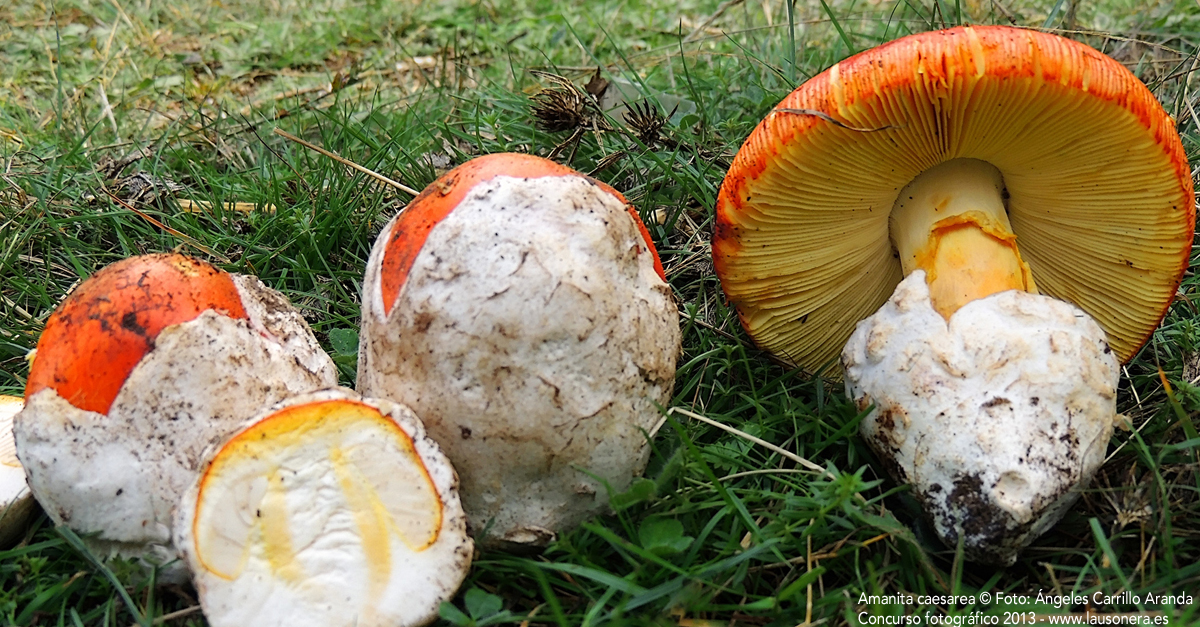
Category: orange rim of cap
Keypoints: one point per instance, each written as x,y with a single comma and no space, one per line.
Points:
437,200
1100,191
103,329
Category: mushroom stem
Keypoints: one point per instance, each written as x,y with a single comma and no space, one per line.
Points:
951,222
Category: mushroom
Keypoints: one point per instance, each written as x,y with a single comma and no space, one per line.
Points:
987,166
520,309
325,510
138,370
16,503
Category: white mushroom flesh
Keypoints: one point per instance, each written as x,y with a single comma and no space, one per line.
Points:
326,511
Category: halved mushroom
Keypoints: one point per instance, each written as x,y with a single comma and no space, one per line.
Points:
16,502
138,370
328,509
978,160
520,309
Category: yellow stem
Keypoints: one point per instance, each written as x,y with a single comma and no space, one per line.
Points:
951,222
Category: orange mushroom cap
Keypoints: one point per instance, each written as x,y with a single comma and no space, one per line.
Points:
1099,189
103,329
441,197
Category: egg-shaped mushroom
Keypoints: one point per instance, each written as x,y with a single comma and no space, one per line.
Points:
520,309
139,369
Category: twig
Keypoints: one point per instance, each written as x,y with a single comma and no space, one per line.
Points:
763,471
118,165
721,332
203,206
808,603
721,9
1127,440
830,551
763,443
573,140
299,177
782,451
187,611
529,617
1145,553
1007,15
604,163
107,110
829,118
377,176
183,236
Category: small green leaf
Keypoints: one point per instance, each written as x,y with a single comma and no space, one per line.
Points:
145,83
663,536
642,490
454,615
765,603
344,341
481,604
799,585
170,80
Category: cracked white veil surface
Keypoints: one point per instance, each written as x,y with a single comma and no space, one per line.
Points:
534,338
996,417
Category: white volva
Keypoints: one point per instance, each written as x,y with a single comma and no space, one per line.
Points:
16,502
119,476
328,510
997,418
534,338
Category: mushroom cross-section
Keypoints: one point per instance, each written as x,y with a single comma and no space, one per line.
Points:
987,166
325,510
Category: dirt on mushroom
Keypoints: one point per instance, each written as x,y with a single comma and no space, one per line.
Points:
532,331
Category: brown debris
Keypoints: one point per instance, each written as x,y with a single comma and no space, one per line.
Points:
563,106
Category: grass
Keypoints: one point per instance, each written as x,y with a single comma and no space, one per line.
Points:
112,113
